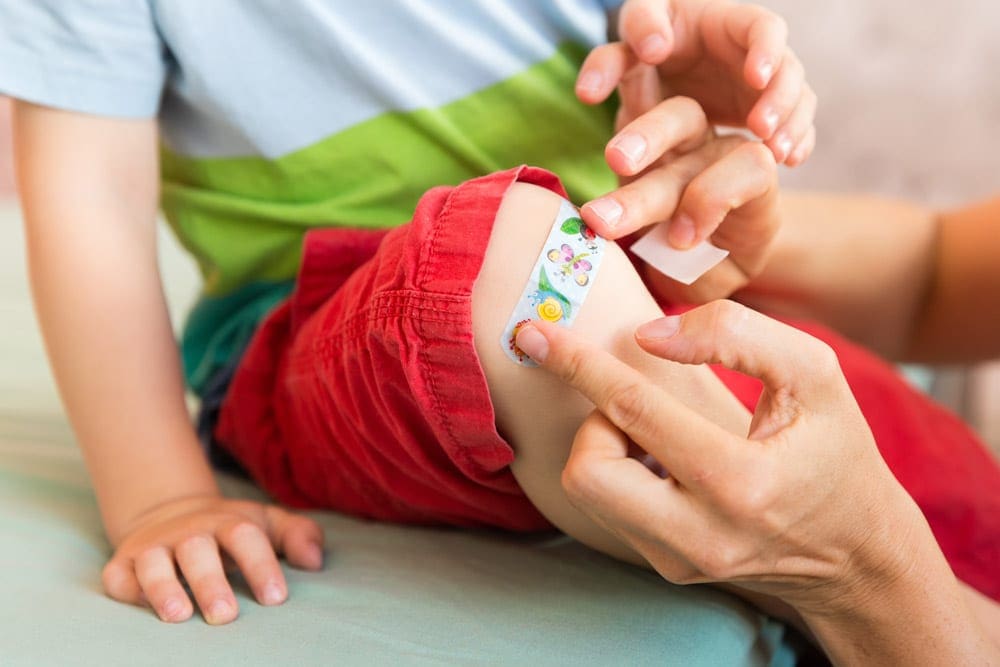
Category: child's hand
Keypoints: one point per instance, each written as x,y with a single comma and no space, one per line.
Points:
732,58
190,535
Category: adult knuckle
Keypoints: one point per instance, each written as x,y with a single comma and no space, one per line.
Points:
761,157
572,364
755,500
576,480
810,98
688,106
727,318
776,23
628,405
716,561
700,198
824,360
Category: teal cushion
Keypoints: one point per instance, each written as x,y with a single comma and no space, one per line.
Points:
389,594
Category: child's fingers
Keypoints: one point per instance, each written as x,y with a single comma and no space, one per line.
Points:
601,71
248,545
678,123
645,26
200,563
154,569
794,131
802,152
297,537
120,583
746,174
780,98
764,36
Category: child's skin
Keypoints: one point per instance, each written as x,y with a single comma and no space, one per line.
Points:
89,188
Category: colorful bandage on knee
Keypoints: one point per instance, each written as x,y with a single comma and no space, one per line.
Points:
560,280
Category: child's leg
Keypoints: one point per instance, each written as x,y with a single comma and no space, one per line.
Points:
537,413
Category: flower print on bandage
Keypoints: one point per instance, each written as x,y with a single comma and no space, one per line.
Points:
559,281
570,264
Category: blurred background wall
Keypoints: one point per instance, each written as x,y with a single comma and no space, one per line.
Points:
909,107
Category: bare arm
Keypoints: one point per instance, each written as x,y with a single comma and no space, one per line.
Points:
894,276
860,265
960,315
89,187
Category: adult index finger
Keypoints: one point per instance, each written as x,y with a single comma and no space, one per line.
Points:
689,446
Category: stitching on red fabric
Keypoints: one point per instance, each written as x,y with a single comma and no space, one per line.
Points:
412,304
442,414
442,216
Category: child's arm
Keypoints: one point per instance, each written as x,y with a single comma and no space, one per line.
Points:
89,189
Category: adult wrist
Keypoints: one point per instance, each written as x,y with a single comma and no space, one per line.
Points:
897,602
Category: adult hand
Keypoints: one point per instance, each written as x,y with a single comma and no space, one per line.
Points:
803,508
684,66
726,187
733,58
191,535
792,510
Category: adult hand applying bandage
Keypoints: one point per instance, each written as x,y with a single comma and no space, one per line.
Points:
684,67
732,58
803,508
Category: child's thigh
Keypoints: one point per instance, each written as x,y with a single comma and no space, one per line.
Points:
536,413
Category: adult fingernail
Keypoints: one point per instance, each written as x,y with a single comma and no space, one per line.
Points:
632,146
771,119
784,144
608,210
272,594
652,46
219,611
765,70
681,231
590,82
665,327
532,343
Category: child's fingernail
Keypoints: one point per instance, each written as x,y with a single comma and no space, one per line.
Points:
632,146
665,327
652,46
681,231
219,610
533,343
314,555
771,120
590,81
765,70
608,210
173,609
272,594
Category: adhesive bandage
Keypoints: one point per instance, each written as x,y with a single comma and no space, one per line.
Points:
684,266
560,279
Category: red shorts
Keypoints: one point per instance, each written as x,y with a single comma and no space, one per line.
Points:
363,392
